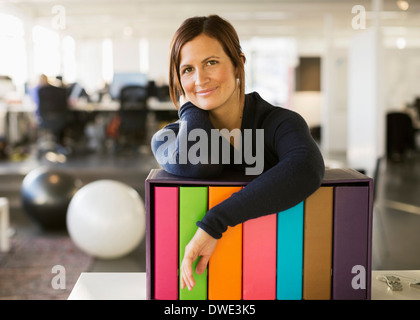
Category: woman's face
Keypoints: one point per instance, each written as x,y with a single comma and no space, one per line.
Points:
207,74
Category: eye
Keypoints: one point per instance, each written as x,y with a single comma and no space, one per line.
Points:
211,62
186,70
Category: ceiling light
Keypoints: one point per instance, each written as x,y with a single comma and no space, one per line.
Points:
402,4
401,43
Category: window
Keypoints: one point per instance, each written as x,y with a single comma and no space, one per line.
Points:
107,61
69,59
13,50
46,51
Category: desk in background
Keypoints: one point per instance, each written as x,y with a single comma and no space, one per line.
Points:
18,121
114,105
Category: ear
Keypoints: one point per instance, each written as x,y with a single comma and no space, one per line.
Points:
243,64
243,57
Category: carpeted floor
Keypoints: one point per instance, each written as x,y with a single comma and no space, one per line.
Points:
27,272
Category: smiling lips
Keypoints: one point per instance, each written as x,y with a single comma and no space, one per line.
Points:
206,92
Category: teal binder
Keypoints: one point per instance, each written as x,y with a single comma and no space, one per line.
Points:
290,253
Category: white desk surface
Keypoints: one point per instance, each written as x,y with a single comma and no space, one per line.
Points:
110,286
132,286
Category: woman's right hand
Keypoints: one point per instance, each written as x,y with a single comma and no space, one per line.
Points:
201,245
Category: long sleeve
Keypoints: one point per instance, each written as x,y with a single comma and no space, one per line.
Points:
183,148
297,173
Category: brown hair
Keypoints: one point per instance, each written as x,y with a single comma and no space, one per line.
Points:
212,26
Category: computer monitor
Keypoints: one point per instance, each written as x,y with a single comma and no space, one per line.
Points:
124,79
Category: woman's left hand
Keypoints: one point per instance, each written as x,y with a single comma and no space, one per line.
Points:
201,245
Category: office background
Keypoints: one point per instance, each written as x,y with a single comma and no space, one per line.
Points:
344,65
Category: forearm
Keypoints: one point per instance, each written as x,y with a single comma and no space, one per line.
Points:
297,174
184,148
278,189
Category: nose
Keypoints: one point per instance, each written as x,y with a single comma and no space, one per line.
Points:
201,77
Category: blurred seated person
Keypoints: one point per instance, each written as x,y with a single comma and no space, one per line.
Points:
416,107
52,115
42,82
413,110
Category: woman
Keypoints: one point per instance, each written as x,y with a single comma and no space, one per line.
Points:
207,76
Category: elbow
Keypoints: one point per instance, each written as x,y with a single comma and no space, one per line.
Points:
319,172
310,168
315,173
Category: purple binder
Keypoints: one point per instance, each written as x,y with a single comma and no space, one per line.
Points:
350,250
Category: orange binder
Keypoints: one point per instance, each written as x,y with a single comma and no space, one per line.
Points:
225,265
318,238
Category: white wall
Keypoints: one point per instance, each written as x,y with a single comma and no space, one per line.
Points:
308,105
126,53
338,104
402,75
365,116
89,64
327,108
159,59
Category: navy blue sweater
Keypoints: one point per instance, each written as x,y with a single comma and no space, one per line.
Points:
293,164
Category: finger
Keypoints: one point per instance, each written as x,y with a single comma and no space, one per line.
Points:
186,274
202,265
185,283
182,282
188,280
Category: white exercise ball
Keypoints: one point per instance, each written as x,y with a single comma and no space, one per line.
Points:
106,219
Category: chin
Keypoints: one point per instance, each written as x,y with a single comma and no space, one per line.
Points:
205,105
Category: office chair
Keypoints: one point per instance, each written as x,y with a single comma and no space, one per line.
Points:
53,118
400,135
133,114
417,105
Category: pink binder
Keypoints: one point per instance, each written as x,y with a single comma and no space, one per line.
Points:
166,243
259,258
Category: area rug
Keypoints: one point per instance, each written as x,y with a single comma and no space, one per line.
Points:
41,268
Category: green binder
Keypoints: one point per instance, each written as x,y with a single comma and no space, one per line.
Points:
193,202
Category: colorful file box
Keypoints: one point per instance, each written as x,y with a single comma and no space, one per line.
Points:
320,249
